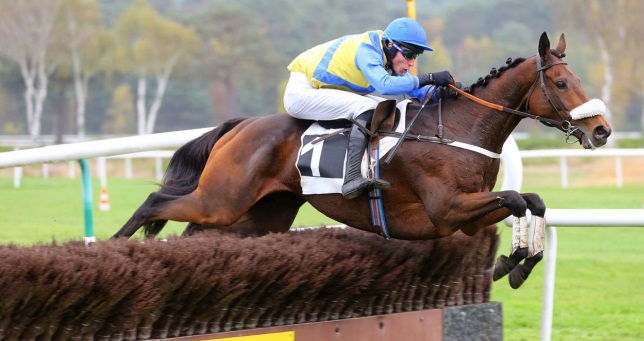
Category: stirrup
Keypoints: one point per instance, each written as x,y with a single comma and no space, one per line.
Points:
379,184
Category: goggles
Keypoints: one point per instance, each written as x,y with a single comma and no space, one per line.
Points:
408,54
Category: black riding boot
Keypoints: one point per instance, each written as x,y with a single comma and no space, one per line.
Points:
354,183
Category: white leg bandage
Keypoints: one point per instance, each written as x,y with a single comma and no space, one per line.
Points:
537,235
519,233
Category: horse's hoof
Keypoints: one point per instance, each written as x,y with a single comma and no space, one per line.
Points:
517,277
500,268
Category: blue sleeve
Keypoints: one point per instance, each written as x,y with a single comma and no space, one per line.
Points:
370,62
426,91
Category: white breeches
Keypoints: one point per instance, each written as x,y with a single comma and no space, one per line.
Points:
302,100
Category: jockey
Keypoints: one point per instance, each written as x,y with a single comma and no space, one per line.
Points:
334,80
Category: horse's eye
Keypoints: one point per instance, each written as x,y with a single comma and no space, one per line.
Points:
561,85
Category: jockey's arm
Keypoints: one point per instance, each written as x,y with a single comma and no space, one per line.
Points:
370,62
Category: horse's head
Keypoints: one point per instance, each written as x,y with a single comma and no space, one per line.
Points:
558,96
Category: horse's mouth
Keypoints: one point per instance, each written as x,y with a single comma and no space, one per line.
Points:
586,142
598,138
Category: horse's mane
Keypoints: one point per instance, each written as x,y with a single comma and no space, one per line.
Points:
494,72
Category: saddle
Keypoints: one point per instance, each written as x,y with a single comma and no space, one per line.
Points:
321,157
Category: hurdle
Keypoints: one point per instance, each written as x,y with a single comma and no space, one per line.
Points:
313,284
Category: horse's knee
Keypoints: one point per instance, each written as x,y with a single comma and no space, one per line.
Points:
514,202
535,204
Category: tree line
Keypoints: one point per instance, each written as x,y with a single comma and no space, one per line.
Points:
86,67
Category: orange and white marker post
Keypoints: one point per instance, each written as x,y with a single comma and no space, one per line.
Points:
104,201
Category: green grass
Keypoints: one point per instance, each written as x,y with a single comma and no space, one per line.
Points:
598,274
599,270
45,209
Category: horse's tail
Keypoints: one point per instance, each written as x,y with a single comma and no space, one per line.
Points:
186,165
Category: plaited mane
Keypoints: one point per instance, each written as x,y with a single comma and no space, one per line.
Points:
494,72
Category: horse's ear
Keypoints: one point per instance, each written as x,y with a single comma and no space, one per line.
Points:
561,47
544,47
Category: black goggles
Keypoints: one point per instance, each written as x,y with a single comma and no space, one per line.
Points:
408,54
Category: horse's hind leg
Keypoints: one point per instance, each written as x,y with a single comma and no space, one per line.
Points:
145,214
272,213
192,229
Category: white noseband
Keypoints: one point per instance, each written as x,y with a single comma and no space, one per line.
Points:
591,108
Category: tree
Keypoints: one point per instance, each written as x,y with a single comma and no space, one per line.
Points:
604,29
119,112
25,38
237,58
149,45
88,43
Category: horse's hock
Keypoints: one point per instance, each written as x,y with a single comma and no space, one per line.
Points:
222,286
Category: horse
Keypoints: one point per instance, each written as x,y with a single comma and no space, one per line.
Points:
241,176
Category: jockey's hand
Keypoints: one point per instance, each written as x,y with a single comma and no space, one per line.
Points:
441,79
446,92
453,93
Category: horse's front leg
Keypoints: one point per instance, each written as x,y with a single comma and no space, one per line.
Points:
527,243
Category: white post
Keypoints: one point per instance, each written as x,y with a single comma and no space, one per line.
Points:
618,171
564,171
72,169
17,175
548,299
101,169
158,163
128,168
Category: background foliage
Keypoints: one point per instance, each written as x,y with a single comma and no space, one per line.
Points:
234,54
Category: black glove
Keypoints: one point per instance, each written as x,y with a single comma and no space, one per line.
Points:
437,78
442,78
446,92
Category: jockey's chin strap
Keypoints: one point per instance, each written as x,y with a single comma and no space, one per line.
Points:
565,123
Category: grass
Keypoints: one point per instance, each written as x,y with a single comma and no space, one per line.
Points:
42,210
599,270
597,279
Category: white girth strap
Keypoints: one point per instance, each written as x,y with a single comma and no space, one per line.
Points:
536,235
591,108
519,233
475,149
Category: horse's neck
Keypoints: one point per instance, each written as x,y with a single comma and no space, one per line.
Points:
484,127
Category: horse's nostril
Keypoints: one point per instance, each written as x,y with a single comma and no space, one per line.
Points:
602,132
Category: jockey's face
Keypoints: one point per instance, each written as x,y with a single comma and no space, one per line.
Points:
400,63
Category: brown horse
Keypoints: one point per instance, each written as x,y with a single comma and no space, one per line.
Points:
241,176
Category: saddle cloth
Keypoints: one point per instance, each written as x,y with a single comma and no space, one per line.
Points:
321,164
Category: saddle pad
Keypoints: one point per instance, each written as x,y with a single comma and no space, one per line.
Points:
321,164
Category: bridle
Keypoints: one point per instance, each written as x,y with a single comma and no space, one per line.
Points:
565,124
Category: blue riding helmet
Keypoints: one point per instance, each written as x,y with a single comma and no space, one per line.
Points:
408,32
